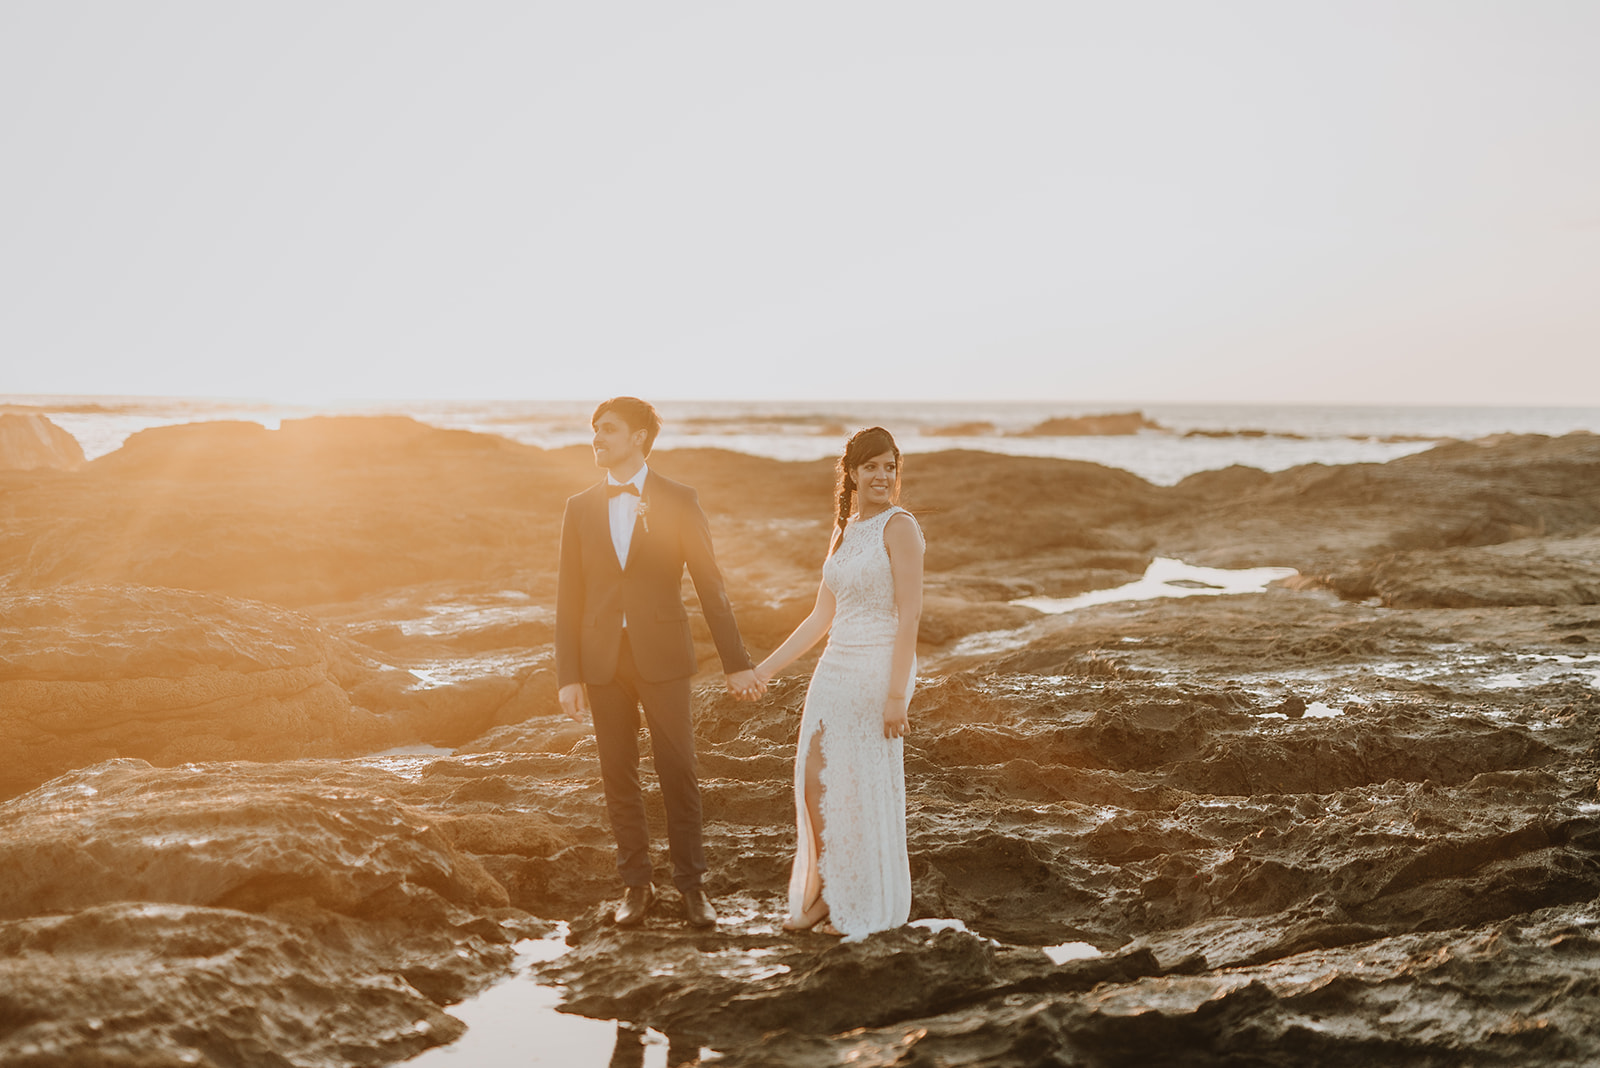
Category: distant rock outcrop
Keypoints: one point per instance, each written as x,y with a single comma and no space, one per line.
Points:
976,428
1092,425
29,440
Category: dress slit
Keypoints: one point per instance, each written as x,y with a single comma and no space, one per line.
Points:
861,873
805,879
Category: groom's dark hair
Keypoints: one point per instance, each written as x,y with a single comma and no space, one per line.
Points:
638,414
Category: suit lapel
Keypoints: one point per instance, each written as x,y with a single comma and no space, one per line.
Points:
600,527
639,520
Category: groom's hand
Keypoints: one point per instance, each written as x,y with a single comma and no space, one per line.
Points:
745,686
575,702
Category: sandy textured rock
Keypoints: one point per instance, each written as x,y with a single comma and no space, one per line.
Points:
1545,571
320,510
170,676
328,510
1515,993
90,673
1302,828
242,914
248,836
169,985
1127,780
1319,519
29,441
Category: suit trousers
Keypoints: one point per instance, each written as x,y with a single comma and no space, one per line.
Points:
615,708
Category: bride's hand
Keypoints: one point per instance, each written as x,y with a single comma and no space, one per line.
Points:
895,720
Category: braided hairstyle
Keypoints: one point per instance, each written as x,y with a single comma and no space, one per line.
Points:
862,446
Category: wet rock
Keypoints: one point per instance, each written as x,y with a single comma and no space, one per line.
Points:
908,972
92,672
1409,879
170,676
1292,707
137,984
1516,992
244,913
246,836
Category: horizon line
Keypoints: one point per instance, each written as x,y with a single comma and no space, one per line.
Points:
46,400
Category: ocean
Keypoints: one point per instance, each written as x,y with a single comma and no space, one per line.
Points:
1177,440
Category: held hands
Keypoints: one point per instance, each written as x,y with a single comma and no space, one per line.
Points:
746,686
575,702
895,720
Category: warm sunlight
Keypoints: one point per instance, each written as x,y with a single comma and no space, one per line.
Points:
673,535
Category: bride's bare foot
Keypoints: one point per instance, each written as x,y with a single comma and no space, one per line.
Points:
808,922
826,927
809,919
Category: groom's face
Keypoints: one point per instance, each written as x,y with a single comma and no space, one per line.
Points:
615,444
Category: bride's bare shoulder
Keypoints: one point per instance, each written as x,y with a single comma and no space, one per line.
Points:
903,527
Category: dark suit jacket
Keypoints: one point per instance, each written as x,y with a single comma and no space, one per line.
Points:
594,591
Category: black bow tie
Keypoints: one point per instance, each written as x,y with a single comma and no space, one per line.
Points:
614,488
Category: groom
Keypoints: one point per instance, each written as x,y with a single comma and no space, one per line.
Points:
622,641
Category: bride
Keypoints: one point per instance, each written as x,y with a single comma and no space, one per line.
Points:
851,875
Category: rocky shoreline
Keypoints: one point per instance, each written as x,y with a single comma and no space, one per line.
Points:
1350,819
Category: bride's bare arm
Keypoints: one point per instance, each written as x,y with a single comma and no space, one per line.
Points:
904,542
807,634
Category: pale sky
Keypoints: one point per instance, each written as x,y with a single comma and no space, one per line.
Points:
1276,201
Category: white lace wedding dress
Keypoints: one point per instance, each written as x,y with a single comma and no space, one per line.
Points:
863,871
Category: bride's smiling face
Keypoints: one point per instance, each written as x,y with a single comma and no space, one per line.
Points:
877,478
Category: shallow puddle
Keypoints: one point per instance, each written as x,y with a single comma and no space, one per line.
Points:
1462,666
451,671
409,762
507,608
1166,577
1543,668
1068,951
1314,710
517,1023
420,750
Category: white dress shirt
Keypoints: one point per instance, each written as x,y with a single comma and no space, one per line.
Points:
624,512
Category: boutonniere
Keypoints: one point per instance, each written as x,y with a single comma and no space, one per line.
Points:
644,514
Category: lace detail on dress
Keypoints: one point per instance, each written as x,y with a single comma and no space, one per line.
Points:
864,871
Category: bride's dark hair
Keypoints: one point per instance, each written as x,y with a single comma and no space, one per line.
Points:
862,446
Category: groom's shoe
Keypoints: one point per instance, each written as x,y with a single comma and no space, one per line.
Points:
697,910
635,904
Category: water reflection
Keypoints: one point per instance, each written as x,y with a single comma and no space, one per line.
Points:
632,1043
1166,577
518,1023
